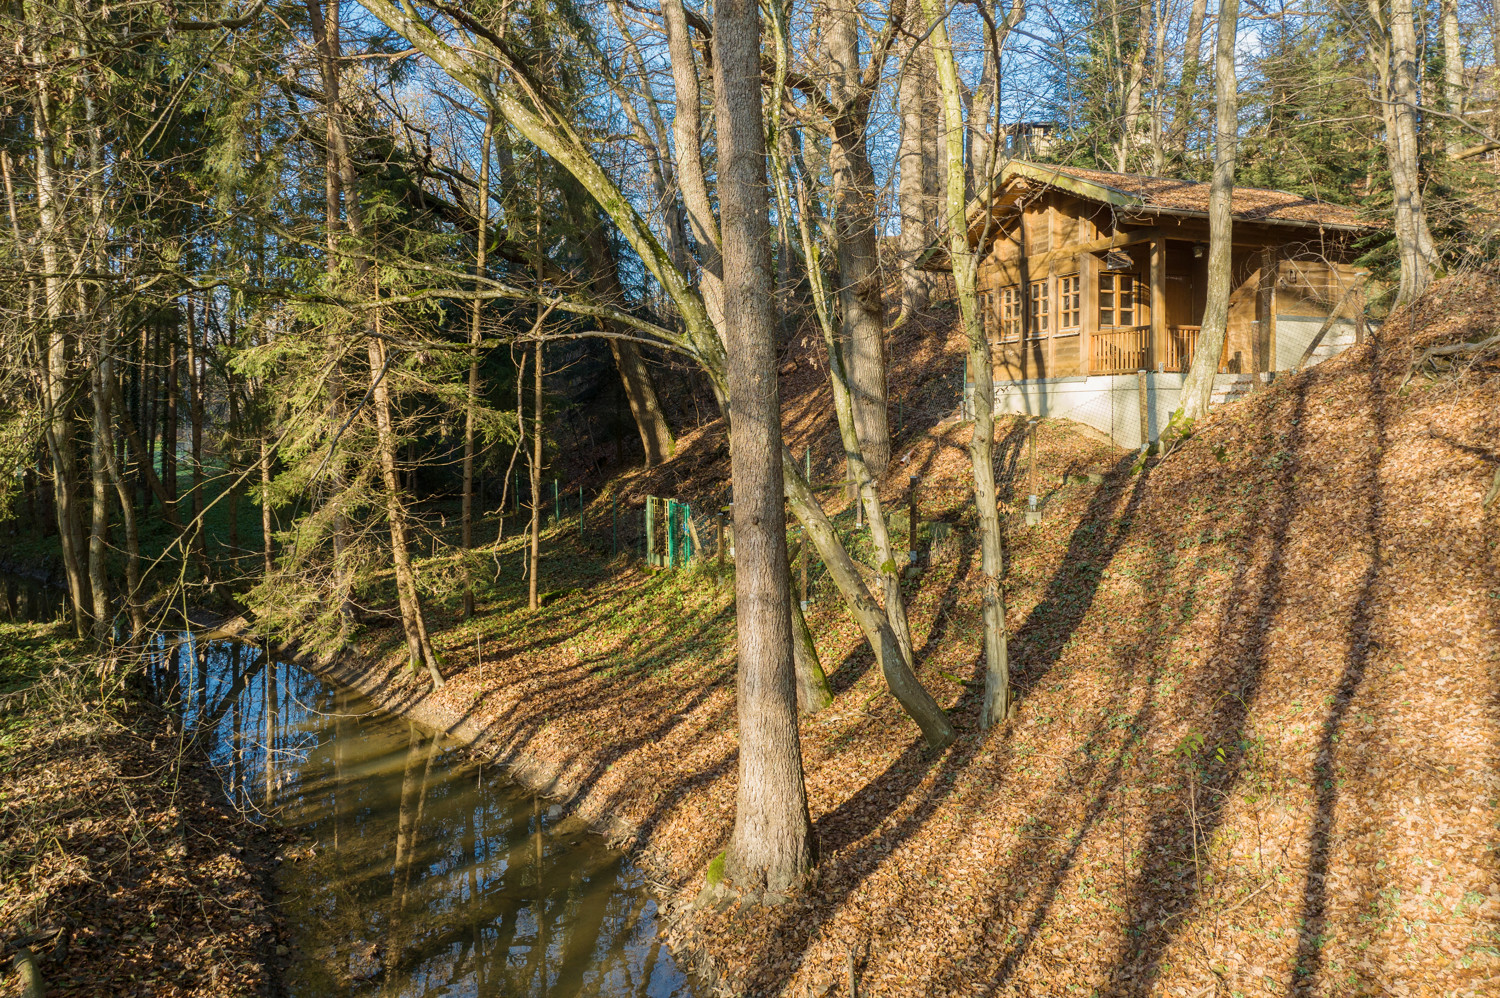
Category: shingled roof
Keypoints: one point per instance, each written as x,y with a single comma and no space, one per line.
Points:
1137,197
1168,196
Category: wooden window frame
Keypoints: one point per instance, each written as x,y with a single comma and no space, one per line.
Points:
1010,314
1039,320
1112,278
1069,305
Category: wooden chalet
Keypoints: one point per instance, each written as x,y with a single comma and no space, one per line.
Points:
1085,273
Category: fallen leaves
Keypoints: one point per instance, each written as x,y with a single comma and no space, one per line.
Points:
117,868
1258,727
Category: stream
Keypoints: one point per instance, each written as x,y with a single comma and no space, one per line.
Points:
413,870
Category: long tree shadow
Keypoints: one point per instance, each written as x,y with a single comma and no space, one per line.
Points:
859,817
1089,777
1162,897
1096,540
1313,923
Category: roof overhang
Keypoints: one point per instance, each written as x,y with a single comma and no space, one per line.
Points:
987,213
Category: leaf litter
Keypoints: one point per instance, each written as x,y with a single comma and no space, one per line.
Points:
1256,751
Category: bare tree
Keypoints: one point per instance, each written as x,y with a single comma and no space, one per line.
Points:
771,847
1393,49
1198,386
982,441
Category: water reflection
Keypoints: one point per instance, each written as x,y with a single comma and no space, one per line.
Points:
23,599
414,871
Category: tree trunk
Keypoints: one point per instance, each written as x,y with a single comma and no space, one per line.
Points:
982,442
1135,74
1398,76
687,137
645,407
771,848
861,309
412,620
982,123
813,692
1198,386
195,417
916,228
267,542
1187,86
132,527
99,455
169,423
481,241
635,376
890,637
326,41
534,550
1453,76
55,352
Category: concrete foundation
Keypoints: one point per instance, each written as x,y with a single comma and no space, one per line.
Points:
1111,404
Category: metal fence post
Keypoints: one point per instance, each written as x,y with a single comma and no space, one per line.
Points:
651,530
671,533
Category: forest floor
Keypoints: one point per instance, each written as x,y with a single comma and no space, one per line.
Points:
121,870
1259,726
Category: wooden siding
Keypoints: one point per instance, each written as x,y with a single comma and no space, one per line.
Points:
1056,234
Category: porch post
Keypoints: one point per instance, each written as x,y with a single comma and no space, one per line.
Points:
1265,340
1158,298
1088,276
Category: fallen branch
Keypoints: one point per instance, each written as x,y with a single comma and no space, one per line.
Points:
1471,350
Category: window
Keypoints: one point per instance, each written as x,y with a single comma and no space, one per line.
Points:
1116,300
1041,311
986,320
1010,314
1069,303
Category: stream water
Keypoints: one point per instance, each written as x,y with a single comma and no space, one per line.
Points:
414,870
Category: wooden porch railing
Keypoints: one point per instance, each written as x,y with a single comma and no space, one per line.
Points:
1177,352
1124,350
1128,349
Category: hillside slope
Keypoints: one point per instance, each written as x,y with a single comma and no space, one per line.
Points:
1259,730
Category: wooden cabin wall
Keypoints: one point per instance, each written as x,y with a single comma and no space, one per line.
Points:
1313,287
1265,282
1245,350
